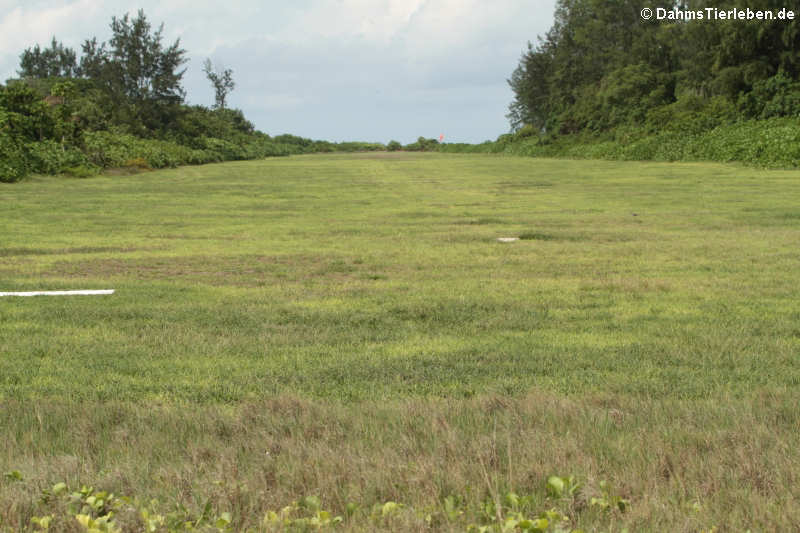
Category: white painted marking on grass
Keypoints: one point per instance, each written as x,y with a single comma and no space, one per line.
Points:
57,293
507,239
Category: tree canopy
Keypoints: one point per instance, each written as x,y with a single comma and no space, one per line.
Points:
55,61
601,66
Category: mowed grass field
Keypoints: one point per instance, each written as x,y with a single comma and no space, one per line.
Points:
348,328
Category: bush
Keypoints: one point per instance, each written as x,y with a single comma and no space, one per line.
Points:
394,146
355,146
227,150
49,157
13,163
526,131
778,96
773,143
422,145
109,150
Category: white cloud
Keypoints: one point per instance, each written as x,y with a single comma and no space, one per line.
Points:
22,27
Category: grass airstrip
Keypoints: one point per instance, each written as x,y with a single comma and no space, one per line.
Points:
345,336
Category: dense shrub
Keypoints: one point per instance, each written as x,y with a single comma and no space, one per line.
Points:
773,143
227,150
106,150
422,145
778,96
293,140
355,146
319,147
50,157
13,163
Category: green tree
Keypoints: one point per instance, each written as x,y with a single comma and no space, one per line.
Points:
530,82
52,62
26,115
63,96
138,72
222,82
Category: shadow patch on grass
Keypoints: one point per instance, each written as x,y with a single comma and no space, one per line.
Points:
629,285
245,270
190,237
432,213
524,184
582,236
538,236
481,221
14,252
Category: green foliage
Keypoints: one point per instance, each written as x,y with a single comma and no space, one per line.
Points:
81,171
394,146
562,487
777,96
138,71
13,160
55,61
26,116
713,136
108,150
13,475
609,500
99,511
356,146
422,145
531,86
227,150
287,138
600,68
123,103
196,122
49,157
222,82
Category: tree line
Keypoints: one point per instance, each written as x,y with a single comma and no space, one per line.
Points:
121,103
602,68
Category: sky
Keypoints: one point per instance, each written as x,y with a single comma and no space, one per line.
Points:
366,70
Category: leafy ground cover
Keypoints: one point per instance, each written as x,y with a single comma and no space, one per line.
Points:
771,143
342,336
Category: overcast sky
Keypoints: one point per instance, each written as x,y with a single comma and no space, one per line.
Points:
370,70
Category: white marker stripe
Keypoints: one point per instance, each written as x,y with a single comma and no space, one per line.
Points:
56,293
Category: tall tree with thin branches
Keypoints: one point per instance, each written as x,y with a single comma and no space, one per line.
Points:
221,81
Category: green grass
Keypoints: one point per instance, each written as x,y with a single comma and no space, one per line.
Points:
356,313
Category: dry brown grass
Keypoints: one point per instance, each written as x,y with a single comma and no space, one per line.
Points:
263,455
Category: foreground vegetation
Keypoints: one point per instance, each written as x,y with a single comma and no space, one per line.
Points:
340,333
773,143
